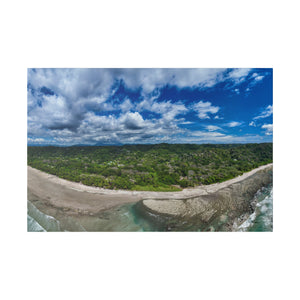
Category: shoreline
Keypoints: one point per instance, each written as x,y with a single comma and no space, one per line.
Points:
72,198
222,210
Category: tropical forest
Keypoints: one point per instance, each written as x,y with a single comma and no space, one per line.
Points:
158,167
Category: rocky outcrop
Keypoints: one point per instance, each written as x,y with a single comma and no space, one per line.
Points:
215,210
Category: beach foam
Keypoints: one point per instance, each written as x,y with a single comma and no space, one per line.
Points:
46,222
33,225
262,218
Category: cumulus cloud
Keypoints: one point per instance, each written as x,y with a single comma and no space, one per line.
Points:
81,83
126,105
133,121
203,109
239,75
257,77
166,109
88,106
233,124
268,128
61,97
150,79
73,93
54,113
129,127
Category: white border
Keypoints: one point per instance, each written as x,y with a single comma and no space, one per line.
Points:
149,34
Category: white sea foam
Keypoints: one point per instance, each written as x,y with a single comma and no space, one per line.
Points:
33,225
263,212
249,222
48,223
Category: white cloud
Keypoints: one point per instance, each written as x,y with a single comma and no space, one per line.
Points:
252,124
79,106
213,128
166,109
126,105
217,137
239,75
92,122
267,112
36,140
102,124
217,117
54,113
233,124
205,108
129,127
268,128
257,77
185,122
74,83
132,120
150,79
74,92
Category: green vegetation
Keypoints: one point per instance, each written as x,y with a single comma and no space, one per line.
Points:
161,167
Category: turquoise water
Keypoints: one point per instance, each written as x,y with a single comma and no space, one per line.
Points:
260,220
33,225
39,221
129,218
262,217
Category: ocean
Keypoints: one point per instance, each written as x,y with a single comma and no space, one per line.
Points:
262,218
39,221
127,218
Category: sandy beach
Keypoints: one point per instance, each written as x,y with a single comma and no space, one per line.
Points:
76,198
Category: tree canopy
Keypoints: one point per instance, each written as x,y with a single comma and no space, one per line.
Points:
159,167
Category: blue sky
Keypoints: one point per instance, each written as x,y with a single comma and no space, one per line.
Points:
146,106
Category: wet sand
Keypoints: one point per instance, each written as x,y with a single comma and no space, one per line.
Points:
74,198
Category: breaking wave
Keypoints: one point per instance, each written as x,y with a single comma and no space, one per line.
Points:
262,217
38,221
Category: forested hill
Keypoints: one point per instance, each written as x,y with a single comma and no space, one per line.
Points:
160,167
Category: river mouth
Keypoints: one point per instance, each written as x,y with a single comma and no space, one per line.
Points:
119,219
131,218
259,218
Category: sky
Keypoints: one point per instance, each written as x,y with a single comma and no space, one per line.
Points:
147,106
